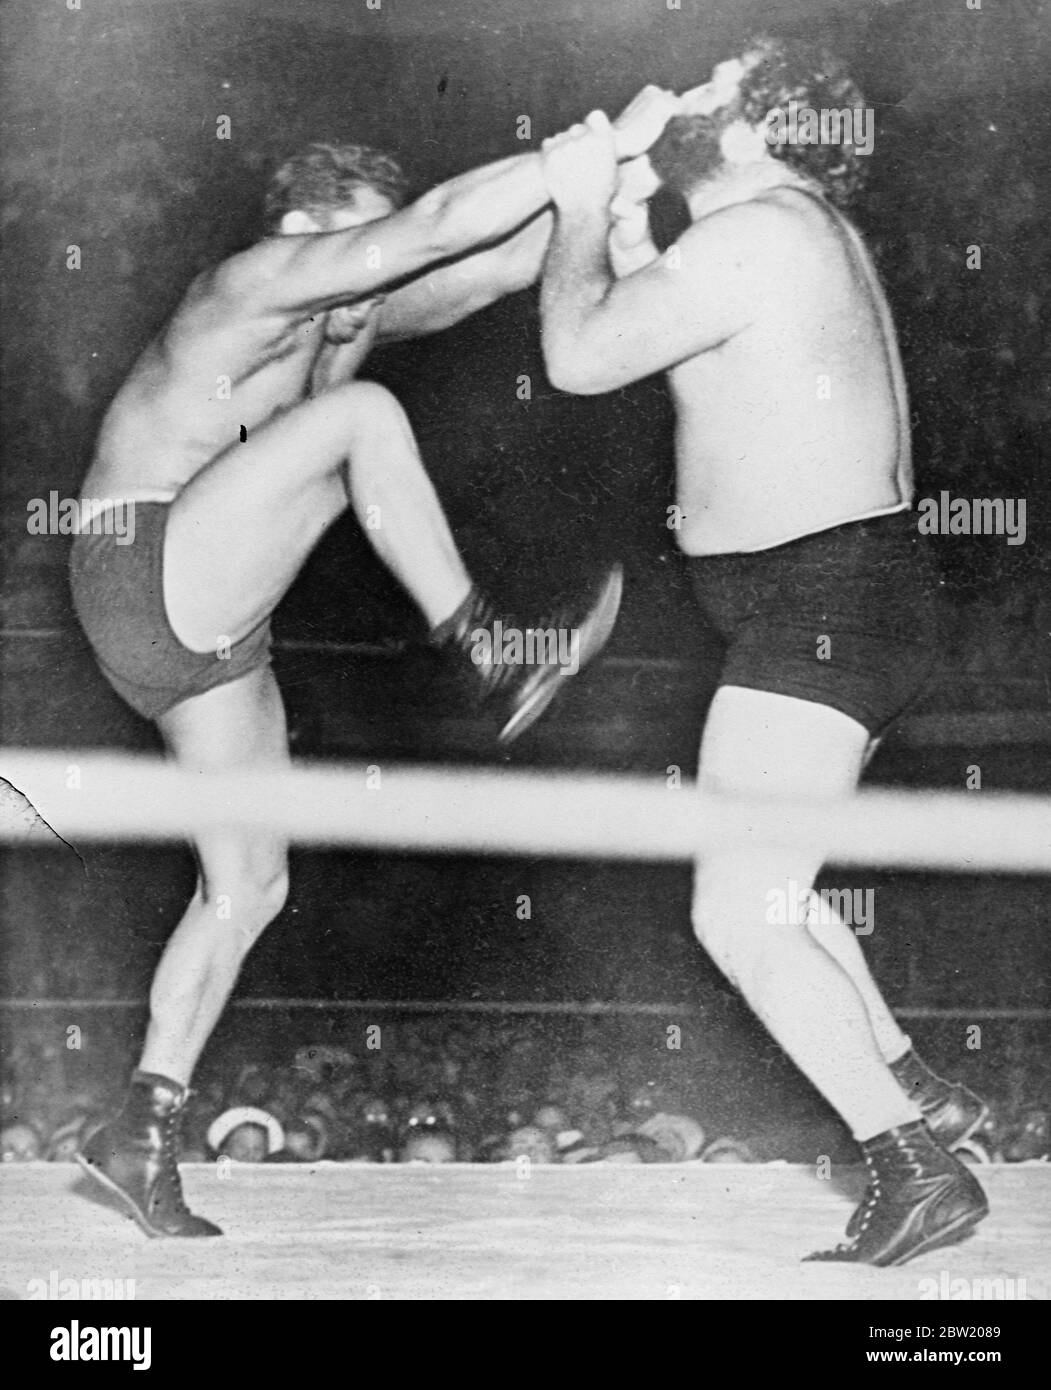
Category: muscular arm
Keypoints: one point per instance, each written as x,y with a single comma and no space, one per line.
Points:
631,245
600,333
441,298
310,274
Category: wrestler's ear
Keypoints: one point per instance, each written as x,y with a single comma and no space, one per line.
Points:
298,223
742,143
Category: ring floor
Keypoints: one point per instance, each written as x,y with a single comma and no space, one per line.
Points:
691,1231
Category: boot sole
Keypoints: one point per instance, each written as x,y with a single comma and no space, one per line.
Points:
948,1235
128,1203
601,622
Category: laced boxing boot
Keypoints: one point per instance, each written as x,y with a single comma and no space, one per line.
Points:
519,691
135,1157
952,1111
919,1198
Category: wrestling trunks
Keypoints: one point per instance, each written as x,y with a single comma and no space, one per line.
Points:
118,594
848,617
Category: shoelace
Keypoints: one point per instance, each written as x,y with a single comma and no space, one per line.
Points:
170,1160
868,1204
911,1160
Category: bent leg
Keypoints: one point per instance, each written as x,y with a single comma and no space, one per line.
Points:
241,529
758,744
243,877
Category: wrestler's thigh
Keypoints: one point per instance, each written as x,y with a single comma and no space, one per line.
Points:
237,725
241,529
758,743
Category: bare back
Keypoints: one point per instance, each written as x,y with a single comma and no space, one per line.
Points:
800,421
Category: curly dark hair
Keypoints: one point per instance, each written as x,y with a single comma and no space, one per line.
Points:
777,71
782,70
324,177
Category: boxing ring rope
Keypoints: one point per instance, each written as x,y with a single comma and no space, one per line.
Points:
91,796
585,1008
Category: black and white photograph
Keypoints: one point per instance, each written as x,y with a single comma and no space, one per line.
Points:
525,641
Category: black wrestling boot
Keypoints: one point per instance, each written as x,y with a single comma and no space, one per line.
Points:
136,1157
952,1111
919,1198
499,656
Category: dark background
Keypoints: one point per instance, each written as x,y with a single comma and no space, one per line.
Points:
110,116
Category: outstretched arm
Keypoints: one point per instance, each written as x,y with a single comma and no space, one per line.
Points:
311,274
440,298
600,333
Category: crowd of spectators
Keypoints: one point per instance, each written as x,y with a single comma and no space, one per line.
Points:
481,1089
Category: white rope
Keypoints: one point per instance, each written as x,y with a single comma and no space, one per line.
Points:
88,796
587,1008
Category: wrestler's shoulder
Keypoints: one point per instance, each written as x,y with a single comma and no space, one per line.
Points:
758,232
230,295
757,218
239,278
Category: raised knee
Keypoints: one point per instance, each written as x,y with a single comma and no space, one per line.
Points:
365,406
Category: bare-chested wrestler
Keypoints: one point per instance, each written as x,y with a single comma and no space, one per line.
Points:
238,439
794,489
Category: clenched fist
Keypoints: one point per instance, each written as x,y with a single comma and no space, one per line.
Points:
643,119
580,165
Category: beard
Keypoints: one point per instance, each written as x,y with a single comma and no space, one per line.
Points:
687,152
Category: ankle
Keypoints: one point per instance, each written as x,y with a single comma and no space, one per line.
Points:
898,1051
914,1075
902,1118
150,1093
464,616
142,1077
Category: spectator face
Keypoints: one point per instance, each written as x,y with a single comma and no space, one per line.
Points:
550,1118
646,1099
429,1115
428,1148
300,1142
246,1144
531,1142
19,1144
64,1150
375,1112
